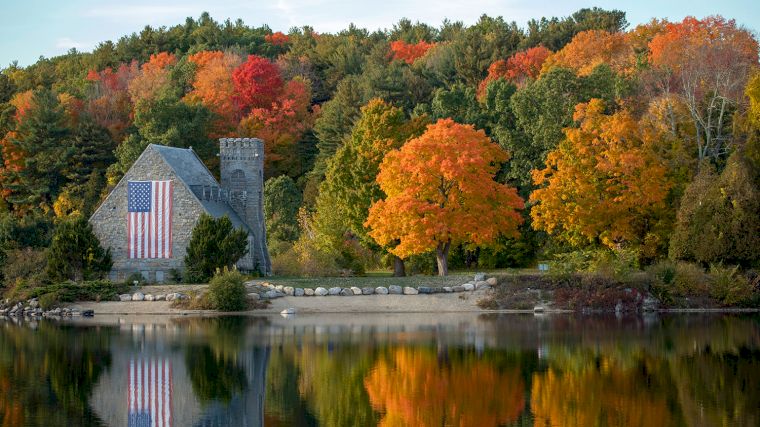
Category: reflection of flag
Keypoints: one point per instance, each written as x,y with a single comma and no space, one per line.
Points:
150,393
149,219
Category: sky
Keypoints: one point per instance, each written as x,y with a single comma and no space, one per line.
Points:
31,28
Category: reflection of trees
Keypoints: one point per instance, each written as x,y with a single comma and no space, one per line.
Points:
331,382
284,404
214,376
214,369
47,376
601,393
412,387
719,388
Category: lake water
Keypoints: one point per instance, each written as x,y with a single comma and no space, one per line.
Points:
389,370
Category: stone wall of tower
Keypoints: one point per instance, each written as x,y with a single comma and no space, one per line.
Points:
242,175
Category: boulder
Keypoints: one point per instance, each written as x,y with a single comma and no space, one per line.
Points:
34,303
125,297
468,287
150,297
279,288
160,297
650,304
492,281
459,288
88,313
290,310
138,296
425,290
309,292
254,296
482,285
334,290
346,292
272,294
320,292
408,290
395,289
298,292
172,296
539,308
381,290
479,277
448,289
288,290
368,290
356,291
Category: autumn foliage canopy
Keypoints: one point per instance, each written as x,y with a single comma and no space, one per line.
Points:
440,187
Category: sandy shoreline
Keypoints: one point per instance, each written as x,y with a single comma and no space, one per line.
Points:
432,303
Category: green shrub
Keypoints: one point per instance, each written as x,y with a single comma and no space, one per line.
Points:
96,290
729,286
617,264
134,277
691,280
48,301
663,275
26,265
226,291
75,253
214,244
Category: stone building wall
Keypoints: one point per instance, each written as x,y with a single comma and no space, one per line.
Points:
242,175
109,222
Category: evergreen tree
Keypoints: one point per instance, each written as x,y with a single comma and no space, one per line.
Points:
281,202
44,139
75,252
214,244
92,150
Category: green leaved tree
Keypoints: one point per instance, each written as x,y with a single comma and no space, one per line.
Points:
75,252
214,244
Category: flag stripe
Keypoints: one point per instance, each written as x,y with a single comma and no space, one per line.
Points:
149,393
149,230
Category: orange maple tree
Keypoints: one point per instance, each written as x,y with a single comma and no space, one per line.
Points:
589,49
517,69
602,183
440,187
214,89
409,52
413,388
153,77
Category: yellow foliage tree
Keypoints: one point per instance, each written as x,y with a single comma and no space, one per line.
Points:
603,183
440,191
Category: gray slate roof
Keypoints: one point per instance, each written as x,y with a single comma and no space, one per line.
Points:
192,172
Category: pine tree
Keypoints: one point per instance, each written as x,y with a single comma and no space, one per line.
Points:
214,244
45,141
75,252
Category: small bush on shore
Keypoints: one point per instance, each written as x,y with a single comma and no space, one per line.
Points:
226,291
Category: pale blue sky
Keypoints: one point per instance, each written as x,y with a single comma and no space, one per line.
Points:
30,28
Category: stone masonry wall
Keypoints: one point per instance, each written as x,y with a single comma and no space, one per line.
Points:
242,174
109,222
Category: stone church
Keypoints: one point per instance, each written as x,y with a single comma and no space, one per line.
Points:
148,218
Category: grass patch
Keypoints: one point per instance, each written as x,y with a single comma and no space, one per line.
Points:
381,278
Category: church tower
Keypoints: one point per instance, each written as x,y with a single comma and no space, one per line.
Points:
242,175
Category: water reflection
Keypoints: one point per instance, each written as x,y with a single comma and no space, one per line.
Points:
461,370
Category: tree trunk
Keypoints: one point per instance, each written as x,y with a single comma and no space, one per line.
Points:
399,270
442,257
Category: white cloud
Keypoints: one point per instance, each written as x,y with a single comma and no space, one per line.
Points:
66,43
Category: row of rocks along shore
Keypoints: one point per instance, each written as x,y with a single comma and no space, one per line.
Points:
256,291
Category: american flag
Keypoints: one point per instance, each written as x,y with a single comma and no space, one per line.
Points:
150,392
149,219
